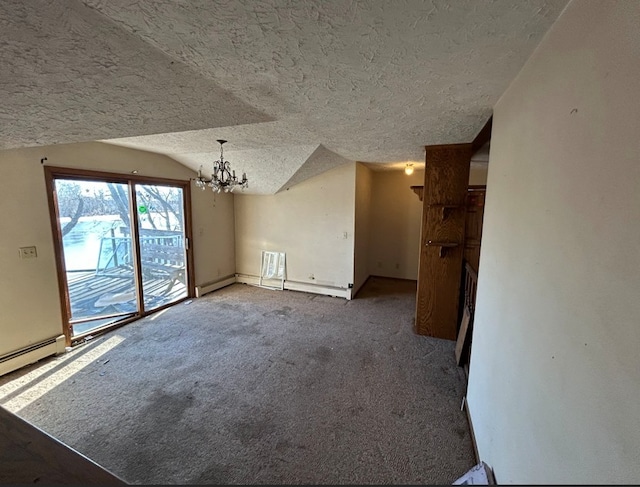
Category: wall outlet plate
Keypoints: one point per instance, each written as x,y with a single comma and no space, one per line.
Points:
28,252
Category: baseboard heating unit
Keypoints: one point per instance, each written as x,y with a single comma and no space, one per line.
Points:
28,355
214,286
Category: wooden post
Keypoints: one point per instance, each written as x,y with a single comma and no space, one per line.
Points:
446,178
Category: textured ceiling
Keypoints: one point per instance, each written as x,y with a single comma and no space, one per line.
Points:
296,87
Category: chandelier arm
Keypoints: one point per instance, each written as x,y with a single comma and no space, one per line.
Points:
222,176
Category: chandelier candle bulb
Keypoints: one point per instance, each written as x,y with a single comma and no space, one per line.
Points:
223,178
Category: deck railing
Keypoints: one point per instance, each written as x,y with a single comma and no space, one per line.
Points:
157,251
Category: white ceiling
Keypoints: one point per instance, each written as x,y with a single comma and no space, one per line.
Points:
296,86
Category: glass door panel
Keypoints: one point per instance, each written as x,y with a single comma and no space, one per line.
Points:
97,251
161,234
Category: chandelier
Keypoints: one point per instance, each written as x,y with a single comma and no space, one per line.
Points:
222,178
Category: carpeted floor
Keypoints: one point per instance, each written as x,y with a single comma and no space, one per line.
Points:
253,386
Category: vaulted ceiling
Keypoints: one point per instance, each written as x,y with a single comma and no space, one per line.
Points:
296,87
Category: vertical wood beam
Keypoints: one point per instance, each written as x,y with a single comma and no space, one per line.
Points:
446,178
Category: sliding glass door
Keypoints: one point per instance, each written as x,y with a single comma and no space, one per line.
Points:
161,236
120,246
100,276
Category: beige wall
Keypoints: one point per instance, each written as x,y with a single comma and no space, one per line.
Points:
396,218
213,235
362,233
554,385
29,298
313,222
478,174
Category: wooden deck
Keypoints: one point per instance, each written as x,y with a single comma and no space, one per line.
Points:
99,294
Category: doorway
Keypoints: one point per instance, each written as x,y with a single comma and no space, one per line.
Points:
121,244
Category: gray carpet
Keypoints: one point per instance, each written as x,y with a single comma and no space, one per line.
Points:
252,386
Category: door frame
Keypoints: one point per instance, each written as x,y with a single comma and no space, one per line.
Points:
51,174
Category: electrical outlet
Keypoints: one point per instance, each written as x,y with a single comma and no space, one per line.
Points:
28,252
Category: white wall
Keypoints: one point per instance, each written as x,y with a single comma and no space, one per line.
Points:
313,222
29,298
396,218
362,232
554,385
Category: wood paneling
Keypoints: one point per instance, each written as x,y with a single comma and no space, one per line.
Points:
29,455
443,225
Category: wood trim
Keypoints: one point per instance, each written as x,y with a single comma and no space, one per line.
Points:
51,174
30,455
483,136
102,317
446,146
403,279
188,232
480,139
135,233
75,173
477,187
418,189
61,271
473,434
117,324
105,328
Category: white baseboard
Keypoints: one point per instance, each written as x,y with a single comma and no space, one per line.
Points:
296,286
214,286
31,354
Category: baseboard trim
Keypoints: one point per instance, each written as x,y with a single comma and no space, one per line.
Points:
394,278
465,406
214,286
31,354
298,286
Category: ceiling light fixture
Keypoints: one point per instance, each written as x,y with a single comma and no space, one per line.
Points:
222,178
408,169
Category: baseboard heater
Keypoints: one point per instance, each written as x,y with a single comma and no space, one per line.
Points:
337,292
28,355
290,285
214,286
